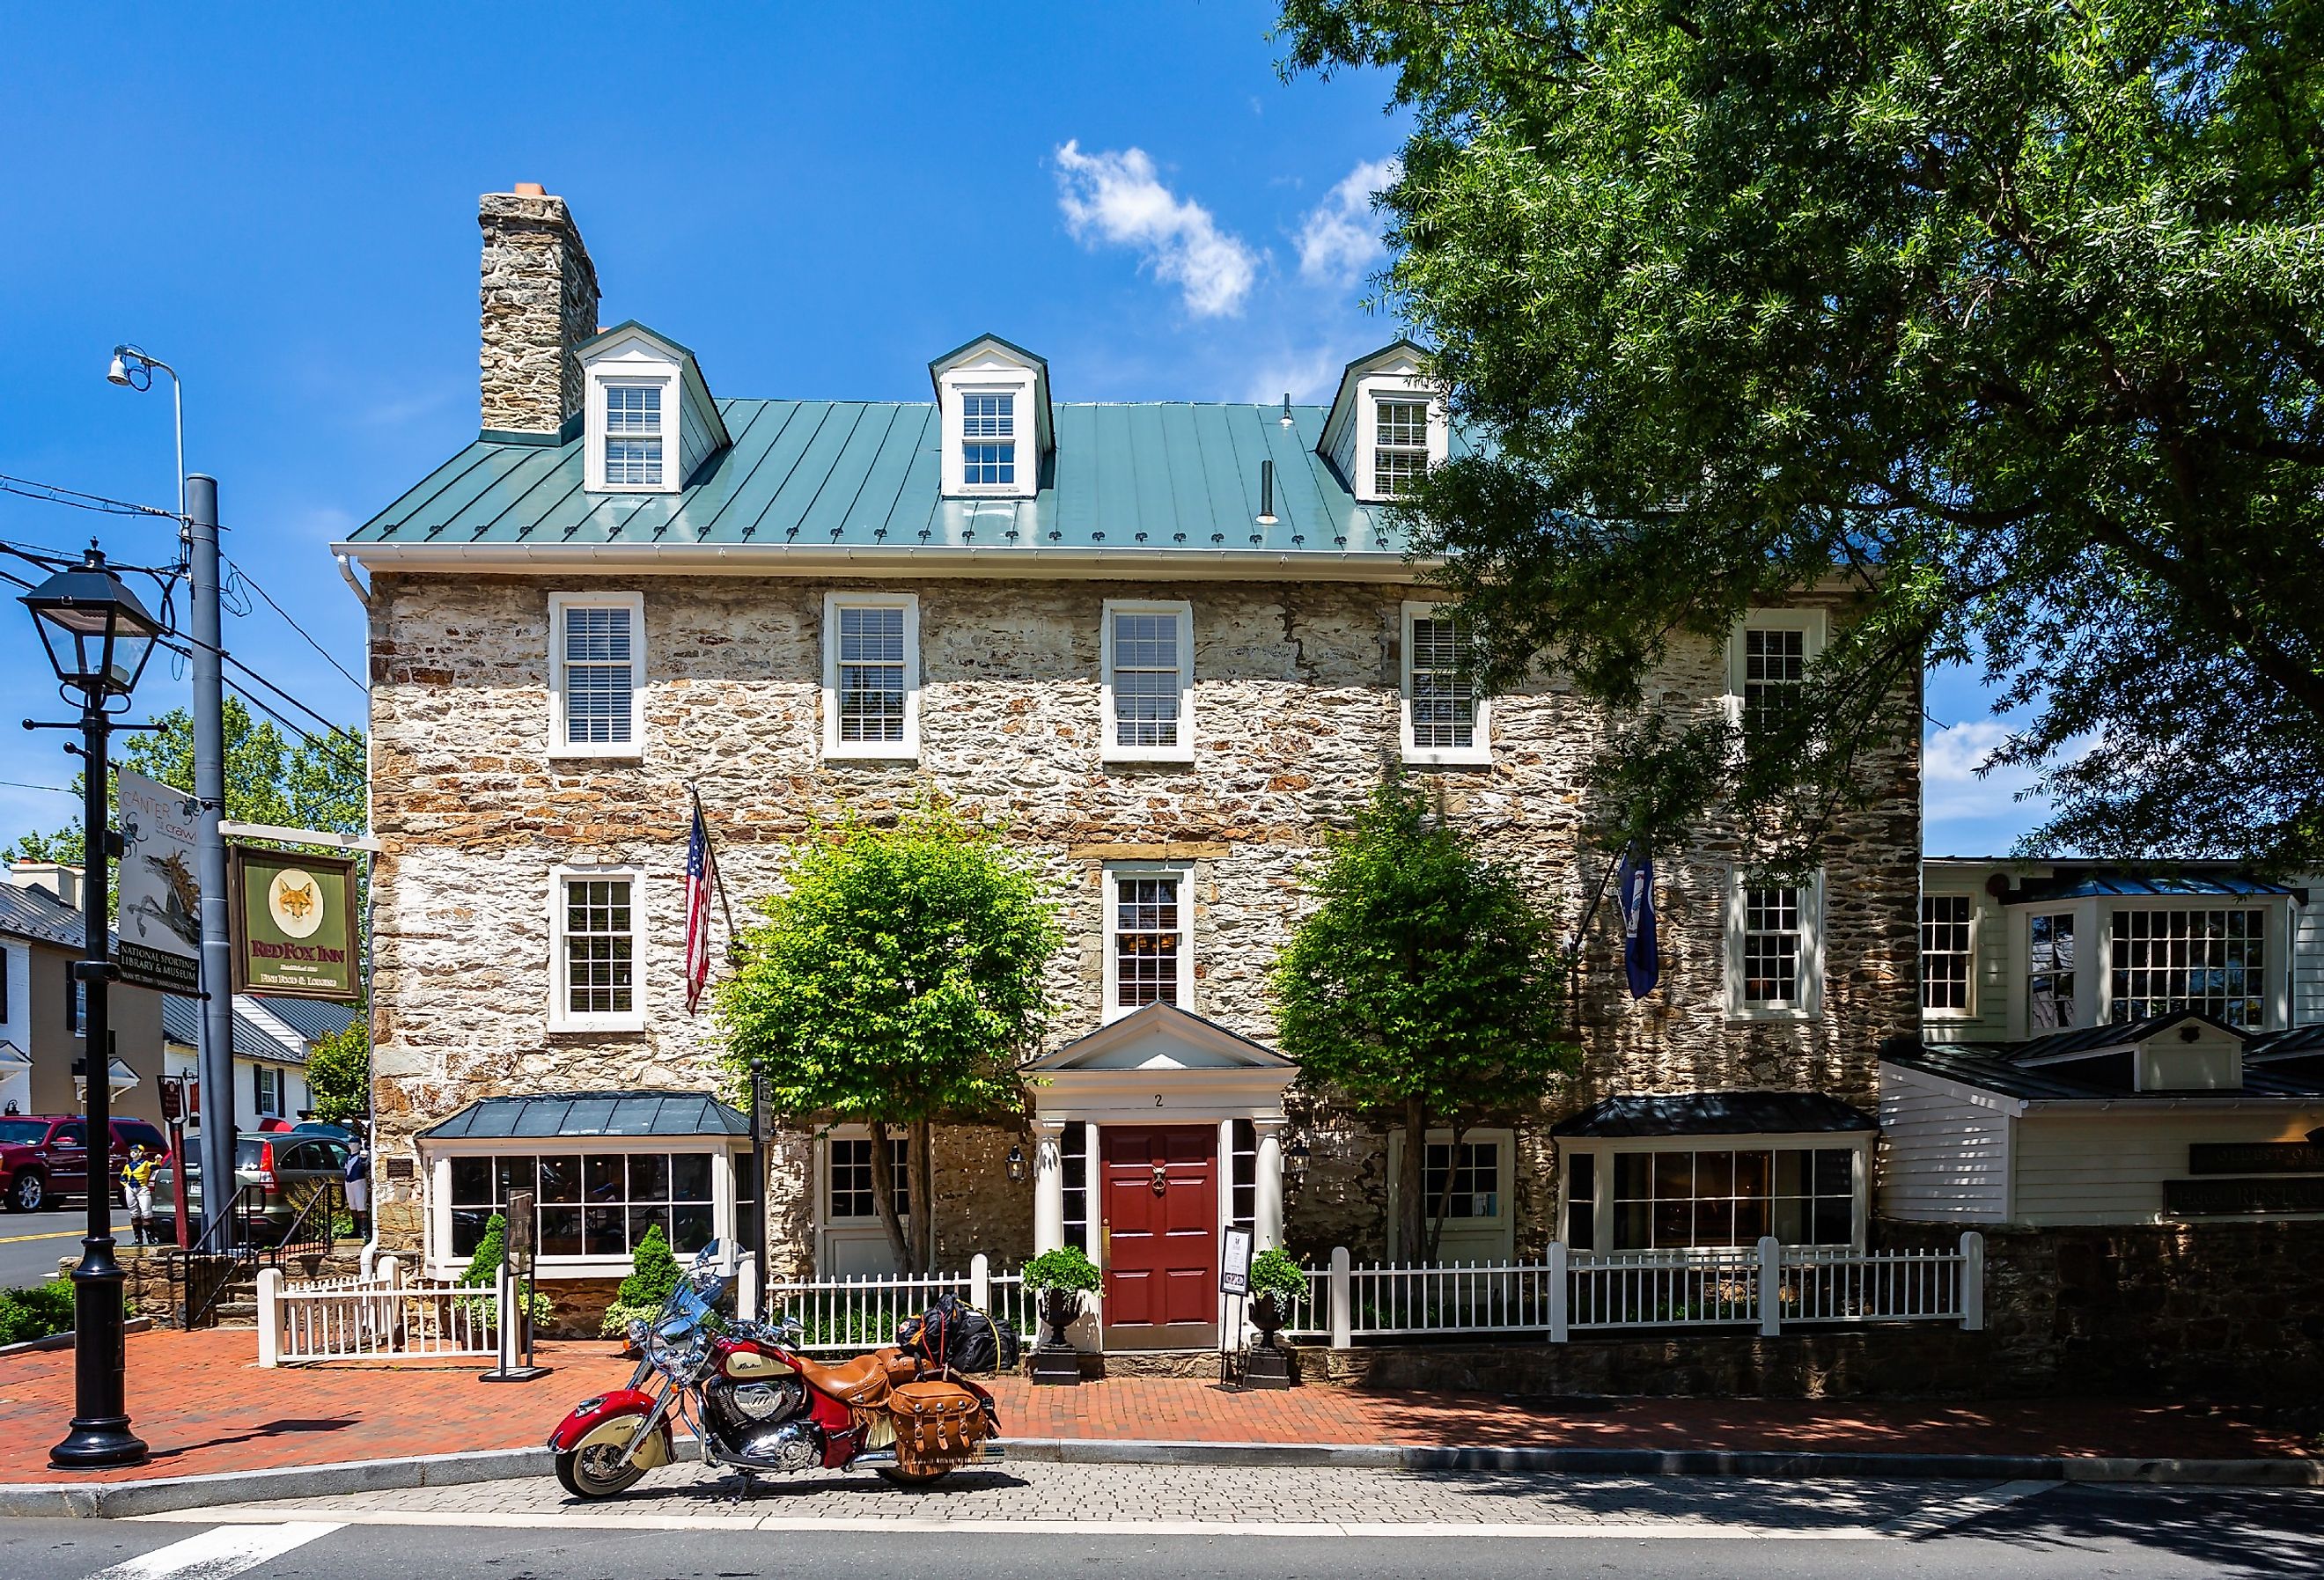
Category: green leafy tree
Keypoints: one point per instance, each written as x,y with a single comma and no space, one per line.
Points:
897,979
2003,316
338,1074
1425,987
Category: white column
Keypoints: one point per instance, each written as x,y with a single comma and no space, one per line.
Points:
1049,1186
1266,1208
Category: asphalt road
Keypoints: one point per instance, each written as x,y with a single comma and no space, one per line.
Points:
2128,1533
30,1243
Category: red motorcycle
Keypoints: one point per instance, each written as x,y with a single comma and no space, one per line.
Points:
755,1403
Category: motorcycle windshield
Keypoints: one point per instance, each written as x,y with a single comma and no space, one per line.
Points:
683,1315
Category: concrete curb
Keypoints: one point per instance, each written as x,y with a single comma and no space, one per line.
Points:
122,1499
64,1341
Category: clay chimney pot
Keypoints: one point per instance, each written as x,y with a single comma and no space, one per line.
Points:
531,190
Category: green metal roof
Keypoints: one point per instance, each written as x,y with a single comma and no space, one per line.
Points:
866,476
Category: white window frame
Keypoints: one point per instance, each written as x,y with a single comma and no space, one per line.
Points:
1364,443
1813,624
1809,1002
268,1075
1460,1239
908,748
1110,925
559,744
2088,1004
728,1169
991,375
1020,405
1602,1148
560,1016
1478,752
1426,449
599,429
1976,934
1109,749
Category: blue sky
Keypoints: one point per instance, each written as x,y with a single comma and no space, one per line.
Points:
282,203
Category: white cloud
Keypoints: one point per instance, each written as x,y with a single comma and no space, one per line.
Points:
1339,238
1303,375
1117,197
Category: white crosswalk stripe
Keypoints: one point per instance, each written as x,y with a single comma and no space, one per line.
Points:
220,1552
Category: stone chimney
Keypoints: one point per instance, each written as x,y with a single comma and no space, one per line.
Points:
58,879
540,302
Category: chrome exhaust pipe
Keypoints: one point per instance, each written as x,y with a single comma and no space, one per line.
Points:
988,1451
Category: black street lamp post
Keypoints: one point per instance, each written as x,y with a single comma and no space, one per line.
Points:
99,637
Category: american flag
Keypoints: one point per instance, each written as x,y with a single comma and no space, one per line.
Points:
701,877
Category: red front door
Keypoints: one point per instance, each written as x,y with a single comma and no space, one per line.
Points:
1161,1206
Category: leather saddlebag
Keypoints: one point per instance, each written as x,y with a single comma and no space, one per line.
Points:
938,1425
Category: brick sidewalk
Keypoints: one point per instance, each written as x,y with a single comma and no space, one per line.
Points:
205,1408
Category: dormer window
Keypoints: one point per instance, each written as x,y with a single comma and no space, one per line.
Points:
988,431
633,436
1400,447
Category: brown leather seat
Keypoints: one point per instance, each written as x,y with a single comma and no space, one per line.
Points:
862,1381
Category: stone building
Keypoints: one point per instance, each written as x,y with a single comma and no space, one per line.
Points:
1167,643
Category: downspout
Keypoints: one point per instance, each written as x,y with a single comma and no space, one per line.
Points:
370,1253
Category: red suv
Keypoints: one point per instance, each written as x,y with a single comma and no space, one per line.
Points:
45,1157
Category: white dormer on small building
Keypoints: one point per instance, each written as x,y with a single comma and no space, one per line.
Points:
650,420
1387,424
994,399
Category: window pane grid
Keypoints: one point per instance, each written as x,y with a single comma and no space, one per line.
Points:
598,677
1771,946
2213,962
1774,669
1444,691
598,944
871,679
850,1178
1146,685
1944,951
1671,1200
988,416
2050,972
1474,1176
588,1204
984,465
1146,941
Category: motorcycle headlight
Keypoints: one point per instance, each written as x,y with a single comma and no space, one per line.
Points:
639,1334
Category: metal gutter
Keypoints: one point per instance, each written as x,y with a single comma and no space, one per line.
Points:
947,559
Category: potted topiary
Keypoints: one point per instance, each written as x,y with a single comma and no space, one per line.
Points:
654,1272
1060,1278
1277,1283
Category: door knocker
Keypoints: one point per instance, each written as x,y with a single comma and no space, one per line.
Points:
1161,1179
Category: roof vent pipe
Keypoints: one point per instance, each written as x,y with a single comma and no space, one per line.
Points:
1267,493
1287,408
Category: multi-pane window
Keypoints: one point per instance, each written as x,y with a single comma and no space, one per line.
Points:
589,1204
599,674
600,945
1801,1195
1772,938
1148,938
1944,951
988,430
850,1178
1443,690
1073,1156
2210,961
872,682
268,1095
1472,1171
1399,447
1775,671
1146,679
2048,973
1581,1201
1242,1175
633,436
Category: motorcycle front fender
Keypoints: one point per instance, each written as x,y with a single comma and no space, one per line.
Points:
626,1405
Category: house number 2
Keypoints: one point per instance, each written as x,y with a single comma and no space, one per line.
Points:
1158,1099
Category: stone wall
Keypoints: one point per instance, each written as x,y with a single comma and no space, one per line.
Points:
1296,711
539,295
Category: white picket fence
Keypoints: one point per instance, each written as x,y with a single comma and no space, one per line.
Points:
378,1317
1766,1287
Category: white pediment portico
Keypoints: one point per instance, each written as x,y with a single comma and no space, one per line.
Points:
1157,1064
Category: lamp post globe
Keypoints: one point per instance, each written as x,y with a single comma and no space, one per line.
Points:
98,636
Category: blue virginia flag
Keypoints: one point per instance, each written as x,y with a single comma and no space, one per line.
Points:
1635,894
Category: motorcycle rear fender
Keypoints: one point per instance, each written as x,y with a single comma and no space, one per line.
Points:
627,1405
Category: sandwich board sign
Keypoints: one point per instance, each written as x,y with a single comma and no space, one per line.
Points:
1234,1262
158,930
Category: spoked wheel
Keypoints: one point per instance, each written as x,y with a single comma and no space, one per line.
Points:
914,1478
594,1470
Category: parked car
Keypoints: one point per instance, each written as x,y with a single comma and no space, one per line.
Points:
44,1156
280,1171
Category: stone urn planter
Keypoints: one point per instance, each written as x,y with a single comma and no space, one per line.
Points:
1055,1362
1268,1315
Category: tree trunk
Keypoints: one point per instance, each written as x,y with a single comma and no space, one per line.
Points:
883,1198
921,1148
1411,1210
1443,1202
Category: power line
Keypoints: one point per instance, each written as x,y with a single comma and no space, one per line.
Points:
252,582
56,493
184,647
54,789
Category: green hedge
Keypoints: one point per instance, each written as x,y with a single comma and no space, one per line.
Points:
36,1312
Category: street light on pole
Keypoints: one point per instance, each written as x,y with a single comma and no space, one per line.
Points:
97,637
198,533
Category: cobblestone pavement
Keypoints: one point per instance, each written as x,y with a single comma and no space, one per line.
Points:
1090,1499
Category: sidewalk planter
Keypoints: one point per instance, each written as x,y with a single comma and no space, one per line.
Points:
1061,1278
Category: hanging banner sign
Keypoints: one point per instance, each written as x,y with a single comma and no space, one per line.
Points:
158,940
294,924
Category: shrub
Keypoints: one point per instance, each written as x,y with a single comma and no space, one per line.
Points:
654,1272
484,1272
1069,1269
1273,1272
37,1312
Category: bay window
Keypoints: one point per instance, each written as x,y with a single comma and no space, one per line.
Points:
590,1206
2050,972
2211,961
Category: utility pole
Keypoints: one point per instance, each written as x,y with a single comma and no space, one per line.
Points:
209,790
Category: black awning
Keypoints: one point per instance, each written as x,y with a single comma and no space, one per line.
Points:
1716,1113
558,1115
